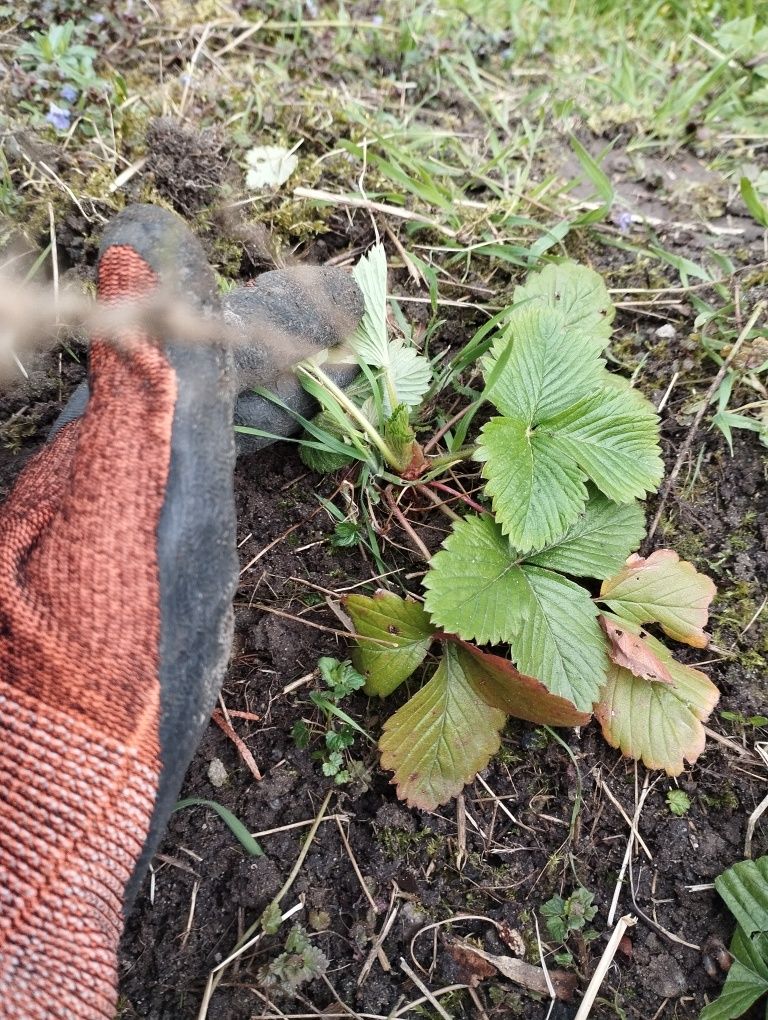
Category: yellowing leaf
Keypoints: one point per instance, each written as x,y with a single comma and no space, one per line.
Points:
440,739
662,589
658,723
628,651
498,683
399,634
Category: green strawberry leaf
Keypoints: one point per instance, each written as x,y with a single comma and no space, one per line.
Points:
744,887
613,442
560,641
548,368
403,626
660,723
500,685
598,543
536,473
474,586
662,589
537,492
440,739
581,296
478,588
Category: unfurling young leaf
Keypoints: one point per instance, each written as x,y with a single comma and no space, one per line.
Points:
660,723
440,739
662,589
400,437
399,634
407,373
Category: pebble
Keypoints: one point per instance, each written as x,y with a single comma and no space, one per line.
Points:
217,774
665,978
666,332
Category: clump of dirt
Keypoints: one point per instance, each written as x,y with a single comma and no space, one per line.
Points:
186,166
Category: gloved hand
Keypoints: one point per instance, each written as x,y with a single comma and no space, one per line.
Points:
117,570
278,319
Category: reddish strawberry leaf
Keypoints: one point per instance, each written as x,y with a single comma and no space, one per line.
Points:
499,684
660,723
440,739
662,589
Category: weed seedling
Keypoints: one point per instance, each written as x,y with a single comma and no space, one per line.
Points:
565,917
678,802
299,963
341,679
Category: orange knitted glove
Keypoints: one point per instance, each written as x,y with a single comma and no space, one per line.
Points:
117,569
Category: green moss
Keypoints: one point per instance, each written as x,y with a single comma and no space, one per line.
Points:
406,846
726,799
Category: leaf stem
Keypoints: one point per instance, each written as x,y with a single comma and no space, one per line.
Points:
446,459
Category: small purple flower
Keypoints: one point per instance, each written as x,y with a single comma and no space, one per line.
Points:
377,20
623,220
98,19
59,116
69,93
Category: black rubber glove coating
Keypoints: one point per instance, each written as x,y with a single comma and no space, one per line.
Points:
282,317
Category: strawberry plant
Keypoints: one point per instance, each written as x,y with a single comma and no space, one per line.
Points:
564,463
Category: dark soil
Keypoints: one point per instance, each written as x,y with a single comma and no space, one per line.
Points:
569,831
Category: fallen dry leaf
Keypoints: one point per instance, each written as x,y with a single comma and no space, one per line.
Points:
526,974
630,652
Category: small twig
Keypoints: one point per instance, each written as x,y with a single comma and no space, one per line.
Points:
547,978
720,738
685,449
303,853
756,815
423,988
190,918
627,819
392,912
218,717
627,921
355,202
355,866
762,749
633,833
295,825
